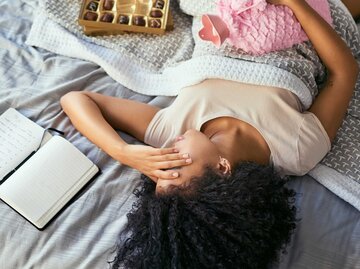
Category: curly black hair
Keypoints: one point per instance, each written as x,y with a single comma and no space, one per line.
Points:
238,221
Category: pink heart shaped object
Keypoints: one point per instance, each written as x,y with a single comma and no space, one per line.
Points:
214,30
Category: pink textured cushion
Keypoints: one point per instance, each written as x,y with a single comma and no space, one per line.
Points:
258,27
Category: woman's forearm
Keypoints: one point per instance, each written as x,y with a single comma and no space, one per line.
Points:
87,118
332,50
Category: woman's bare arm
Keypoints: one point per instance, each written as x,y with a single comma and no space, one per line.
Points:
353,6
97,116
331,104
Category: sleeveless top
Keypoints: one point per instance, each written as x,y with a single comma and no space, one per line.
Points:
297,141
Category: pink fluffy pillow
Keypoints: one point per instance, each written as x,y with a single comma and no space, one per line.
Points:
257,27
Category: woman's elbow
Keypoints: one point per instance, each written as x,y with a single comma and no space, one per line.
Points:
356,69
69,100
347,72
353,69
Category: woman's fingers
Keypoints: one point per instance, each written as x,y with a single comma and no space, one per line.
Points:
170,157
172,164
165,165
164,151
158,162
167,159
155,179
169,174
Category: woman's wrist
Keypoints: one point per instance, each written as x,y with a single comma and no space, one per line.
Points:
117,152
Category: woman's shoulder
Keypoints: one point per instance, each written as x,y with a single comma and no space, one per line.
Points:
313,142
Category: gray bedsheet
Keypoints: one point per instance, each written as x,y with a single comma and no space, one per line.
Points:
83,236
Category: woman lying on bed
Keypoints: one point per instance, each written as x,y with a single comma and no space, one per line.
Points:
215,159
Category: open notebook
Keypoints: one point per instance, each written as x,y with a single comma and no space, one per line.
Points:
38,183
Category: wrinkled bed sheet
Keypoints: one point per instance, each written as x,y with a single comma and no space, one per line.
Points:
84,235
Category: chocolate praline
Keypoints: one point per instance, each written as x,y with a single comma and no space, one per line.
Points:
107,17
139,21
155,23
108,4
156,13
159,4
124,19
92,6
90,16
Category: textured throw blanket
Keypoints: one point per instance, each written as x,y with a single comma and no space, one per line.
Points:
162,65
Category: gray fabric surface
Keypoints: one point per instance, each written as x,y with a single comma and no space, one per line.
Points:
83,236
327,236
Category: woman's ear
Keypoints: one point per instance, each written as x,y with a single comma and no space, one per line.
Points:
224,166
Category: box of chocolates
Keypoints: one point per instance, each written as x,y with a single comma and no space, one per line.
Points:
100,17
96,31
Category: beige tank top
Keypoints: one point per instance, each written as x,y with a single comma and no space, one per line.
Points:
297,141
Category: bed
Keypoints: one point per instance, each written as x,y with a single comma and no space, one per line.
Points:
32,79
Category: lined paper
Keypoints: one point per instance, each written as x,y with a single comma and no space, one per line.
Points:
19,136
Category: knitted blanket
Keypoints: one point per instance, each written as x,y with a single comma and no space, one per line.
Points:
162,65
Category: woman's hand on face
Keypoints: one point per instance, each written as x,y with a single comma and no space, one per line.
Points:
152,161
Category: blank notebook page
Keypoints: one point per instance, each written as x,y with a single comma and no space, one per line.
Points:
45,178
